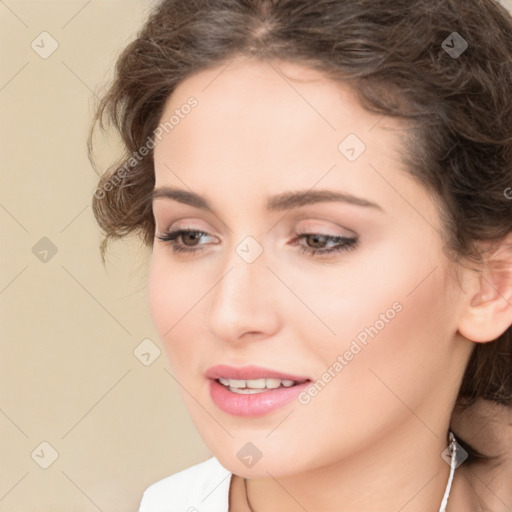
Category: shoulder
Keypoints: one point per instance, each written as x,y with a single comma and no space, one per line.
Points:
203,487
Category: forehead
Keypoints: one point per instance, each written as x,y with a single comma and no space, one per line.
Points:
265,127
270,109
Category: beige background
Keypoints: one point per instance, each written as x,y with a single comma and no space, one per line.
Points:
69,327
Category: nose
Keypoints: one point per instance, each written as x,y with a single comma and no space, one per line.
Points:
244,302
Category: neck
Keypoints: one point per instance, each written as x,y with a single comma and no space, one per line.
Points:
403,471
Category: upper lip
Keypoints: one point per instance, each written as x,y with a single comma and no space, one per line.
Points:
249,372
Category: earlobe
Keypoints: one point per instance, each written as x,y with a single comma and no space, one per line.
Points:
489,311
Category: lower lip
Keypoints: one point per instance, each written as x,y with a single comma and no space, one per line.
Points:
254,404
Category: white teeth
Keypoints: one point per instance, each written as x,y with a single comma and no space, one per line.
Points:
237,383
272,383
255,385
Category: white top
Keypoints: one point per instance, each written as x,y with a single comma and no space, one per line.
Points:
200,488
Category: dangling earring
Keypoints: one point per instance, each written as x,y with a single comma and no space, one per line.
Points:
457,456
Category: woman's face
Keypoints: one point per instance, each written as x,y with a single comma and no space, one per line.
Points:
279,158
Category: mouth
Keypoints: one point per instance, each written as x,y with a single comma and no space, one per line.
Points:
252,390
252,386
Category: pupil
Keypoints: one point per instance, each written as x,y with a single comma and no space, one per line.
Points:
318,240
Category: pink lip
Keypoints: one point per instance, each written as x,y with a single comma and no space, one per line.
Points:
256,404
249,372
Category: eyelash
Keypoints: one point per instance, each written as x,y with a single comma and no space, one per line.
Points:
344,243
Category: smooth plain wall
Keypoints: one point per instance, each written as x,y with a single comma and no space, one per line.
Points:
89,413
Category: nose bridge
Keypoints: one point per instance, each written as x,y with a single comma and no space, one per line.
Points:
242,300
244,269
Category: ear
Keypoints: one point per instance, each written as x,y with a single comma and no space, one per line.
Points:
488,313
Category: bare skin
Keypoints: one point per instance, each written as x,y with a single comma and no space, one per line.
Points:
372,438
483,485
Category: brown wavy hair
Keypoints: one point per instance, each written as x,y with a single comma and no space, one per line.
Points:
394,54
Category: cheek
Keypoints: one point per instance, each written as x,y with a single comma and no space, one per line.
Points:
393,316
158,290
178,294
374,291
405,350
171,296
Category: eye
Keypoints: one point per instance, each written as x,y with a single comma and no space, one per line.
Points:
188,236
320,241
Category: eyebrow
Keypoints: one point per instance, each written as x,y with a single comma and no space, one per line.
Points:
284,201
